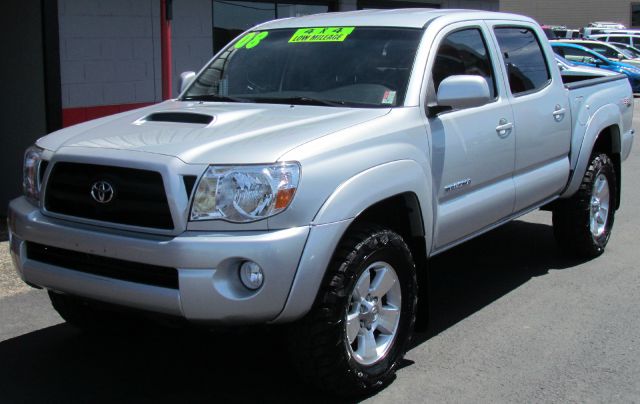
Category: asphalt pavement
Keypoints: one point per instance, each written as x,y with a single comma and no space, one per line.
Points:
512,320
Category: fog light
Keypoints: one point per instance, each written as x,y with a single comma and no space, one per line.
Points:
251,275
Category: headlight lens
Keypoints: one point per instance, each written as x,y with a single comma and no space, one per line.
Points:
30,173
245,193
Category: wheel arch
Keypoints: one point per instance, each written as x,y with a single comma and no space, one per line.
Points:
367,196
602,134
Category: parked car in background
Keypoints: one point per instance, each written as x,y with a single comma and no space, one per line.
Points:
608,50
589,32
564,33
606,24
626,39
548,32
569,69
586,57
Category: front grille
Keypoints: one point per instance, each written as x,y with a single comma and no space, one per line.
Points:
108,267
138,199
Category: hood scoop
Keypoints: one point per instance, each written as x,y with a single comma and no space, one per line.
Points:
178,117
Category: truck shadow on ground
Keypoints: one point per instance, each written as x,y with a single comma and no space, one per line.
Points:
61,364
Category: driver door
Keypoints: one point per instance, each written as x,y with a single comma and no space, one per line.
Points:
472,149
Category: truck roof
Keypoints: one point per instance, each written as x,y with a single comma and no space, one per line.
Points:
407,17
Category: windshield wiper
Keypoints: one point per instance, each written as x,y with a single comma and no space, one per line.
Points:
214,97
300,101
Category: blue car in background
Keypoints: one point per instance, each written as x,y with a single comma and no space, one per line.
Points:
586,57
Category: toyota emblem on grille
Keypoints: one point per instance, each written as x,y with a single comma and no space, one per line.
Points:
102,192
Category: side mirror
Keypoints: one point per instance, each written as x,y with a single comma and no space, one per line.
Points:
186,78
621,56
463,91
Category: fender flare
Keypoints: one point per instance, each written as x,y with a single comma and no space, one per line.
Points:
605,117
375,184
337,213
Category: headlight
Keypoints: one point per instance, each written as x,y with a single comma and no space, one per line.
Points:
31,173
245,193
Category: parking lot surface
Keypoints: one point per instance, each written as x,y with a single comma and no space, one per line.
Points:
512,320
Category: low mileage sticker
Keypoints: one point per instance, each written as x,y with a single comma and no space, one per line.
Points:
321,34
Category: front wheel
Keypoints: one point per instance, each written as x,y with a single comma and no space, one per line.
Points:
582,226
354,338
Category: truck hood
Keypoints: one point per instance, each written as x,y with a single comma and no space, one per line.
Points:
237,132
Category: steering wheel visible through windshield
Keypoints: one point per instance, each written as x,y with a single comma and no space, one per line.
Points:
334,66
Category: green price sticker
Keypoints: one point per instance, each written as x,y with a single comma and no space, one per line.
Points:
321,34
251,40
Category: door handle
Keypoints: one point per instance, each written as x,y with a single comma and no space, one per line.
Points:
504,128
558,113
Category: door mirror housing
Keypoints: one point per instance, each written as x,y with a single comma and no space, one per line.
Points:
463,91
186,78
621,56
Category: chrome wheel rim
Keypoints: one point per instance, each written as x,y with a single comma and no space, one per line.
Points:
599,208
373,314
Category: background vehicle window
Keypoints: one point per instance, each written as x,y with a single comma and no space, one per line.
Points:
524,59
618,39
463,52
603,50
636,42
575,55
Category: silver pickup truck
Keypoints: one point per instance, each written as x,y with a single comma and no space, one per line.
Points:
309,171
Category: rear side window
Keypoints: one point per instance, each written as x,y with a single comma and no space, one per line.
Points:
463,52
618,39
636,42
526,66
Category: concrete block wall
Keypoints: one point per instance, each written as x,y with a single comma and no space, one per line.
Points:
489,5
572,13
109,52
191,36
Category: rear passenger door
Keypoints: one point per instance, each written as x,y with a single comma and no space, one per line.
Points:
472,149
542,121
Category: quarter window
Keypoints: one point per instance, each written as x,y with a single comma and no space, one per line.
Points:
463,52
524,59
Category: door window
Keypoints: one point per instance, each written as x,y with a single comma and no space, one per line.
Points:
463,52
524,60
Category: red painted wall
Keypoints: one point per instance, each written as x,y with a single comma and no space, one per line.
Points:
72,116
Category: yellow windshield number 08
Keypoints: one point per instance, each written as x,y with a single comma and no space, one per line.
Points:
251,40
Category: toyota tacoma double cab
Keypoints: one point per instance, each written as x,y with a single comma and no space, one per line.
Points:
307,173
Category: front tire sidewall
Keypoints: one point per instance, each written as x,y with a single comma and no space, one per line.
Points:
405,270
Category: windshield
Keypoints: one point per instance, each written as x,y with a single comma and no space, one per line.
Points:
333,66
627,53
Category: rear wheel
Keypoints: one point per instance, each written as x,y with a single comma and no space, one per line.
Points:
582,225
354,338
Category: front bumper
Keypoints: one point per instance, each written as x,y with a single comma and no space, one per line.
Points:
209,288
